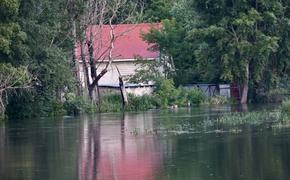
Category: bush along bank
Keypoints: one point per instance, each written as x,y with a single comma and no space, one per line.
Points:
165,95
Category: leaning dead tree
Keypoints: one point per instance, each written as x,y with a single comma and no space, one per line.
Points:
12,79
90,24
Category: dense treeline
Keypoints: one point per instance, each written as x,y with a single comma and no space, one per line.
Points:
240,42
34,37
213,41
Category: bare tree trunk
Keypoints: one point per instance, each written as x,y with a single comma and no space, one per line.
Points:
122,88
2,106
123,91
99,99
76,64
85,67
245,90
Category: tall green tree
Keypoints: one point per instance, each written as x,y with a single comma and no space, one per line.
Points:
230,41
237,37
13,78
45,52
157,10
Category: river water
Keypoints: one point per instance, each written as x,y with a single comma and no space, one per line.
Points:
157,144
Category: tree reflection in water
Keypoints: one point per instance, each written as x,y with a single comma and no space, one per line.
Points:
114,149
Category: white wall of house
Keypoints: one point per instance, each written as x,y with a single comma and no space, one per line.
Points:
137,91
111,78
126,68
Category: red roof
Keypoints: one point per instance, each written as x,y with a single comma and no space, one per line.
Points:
128,43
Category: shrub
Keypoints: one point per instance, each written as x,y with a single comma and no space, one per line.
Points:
192,96
57,108
182,98
218,100
75,105
286,107
273,95
141,102
196,96
166,92
111,103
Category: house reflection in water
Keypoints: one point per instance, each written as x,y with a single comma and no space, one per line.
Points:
115,147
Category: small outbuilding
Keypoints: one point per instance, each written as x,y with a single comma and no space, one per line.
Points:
128,46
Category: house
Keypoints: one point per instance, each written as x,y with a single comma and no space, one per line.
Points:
127,45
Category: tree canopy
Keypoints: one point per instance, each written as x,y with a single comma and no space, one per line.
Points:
228,41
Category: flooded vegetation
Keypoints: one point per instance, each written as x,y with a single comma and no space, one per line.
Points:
195,143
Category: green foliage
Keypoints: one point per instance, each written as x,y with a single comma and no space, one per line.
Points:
273,95
12,77
218,100
176,52
196,96
41,42
148,71
8,7
166,92
76,105
111,103
217,41
2,117
12,81
286,107
141,103
253,118
189,96
158,10
56,108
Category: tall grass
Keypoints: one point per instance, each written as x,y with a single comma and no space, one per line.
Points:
253,118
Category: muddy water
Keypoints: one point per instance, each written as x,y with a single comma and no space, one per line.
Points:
157,144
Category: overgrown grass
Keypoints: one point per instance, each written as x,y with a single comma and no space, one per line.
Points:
2,117
253,118
113,103
273,95
278,119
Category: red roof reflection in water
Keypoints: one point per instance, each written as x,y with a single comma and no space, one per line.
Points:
107,153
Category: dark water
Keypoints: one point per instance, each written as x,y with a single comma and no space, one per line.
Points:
168,144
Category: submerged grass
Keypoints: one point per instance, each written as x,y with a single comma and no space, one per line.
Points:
276,119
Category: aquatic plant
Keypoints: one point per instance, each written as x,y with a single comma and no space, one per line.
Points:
253,118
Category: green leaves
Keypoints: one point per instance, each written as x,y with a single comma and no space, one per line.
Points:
10,32
12,77
8,8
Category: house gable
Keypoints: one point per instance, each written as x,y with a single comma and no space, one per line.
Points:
128,42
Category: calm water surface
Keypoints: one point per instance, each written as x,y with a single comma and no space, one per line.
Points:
168,144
